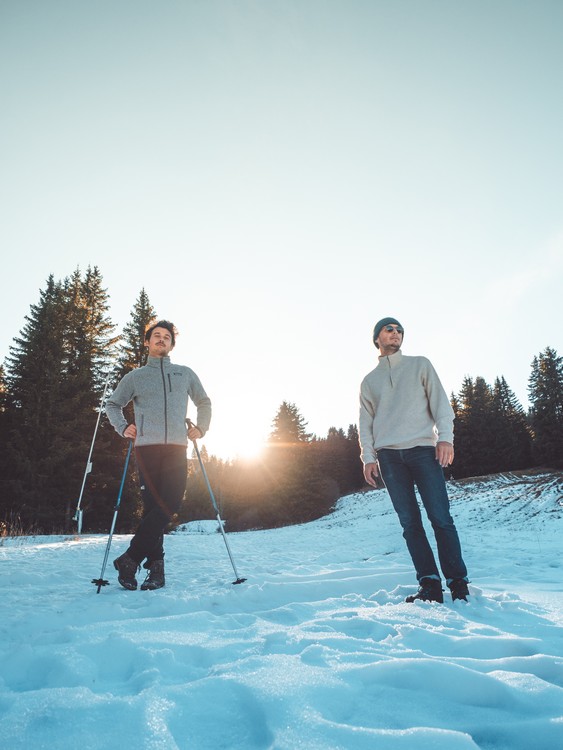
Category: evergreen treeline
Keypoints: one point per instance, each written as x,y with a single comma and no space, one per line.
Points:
51,387
298,477
494,434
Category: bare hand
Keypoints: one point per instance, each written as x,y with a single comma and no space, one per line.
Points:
130,432
444,454
371,472
194,433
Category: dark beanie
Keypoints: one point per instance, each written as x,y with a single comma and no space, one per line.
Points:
381,324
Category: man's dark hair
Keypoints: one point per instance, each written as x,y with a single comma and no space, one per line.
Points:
162,324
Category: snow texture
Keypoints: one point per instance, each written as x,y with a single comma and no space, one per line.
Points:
316,650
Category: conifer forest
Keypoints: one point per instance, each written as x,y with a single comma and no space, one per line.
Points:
69,354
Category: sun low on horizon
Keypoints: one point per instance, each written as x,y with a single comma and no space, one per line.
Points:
230,444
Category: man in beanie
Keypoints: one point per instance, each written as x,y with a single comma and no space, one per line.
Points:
406,438
159,392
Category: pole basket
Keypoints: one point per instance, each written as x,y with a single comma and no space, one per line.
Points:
99,582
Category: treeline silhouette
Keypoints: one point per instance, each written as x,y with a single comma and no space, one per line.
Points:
297,478
51,387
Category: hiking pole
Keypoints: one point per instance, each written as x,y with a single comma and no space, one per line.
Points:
100,581
219,519
78,512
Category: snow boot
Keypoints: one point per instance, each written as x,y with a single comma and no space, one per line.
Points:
126,569
459,589
155,578
429,590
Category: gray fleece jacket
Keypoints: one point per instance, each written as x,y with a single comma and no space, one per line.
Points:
159,392
403,405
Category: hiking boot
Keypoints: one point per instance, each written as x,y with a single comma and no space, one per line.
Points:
459,589
155,578
126,569
429,590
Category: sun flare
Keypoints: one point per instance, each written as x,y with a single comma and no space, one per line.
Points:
230,447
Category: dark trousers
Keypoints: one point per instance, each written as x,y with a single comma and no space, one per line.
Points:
401,471
162,473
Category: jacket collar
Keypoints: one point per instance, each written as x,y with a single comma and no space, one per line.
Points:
391,360
155,361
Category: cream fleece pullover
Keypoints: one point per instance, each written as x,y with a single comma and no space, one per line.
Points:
403,405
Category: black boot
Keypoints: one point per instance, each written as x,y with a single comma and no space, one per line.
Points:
459,589
429,590
126,569
155,578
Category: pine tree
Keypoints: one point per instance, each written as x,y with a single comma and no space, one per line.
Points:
355,469
56,371
99,329
4,440
3,390
90,349
491,432
461,404
332,460
338,458
89,340
545,389
512,435
35,372
289,426
110,450
474,429
133,352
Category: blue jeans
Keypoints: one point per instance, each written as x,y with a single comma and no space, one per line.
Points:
401,470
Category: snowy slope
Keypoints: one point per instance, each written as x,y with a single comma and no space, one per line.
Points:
317,650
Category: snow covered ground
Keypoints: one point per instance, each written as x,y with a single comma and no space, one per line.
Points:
317,650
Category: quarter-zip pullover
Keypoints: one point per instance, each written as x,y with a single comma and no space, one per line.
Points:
402,405
159,392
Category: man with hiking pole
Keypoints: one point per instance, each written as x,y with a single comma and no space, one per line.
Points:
159,392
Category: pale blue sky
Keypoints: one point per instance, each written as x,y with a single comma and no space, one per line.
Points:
280,175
